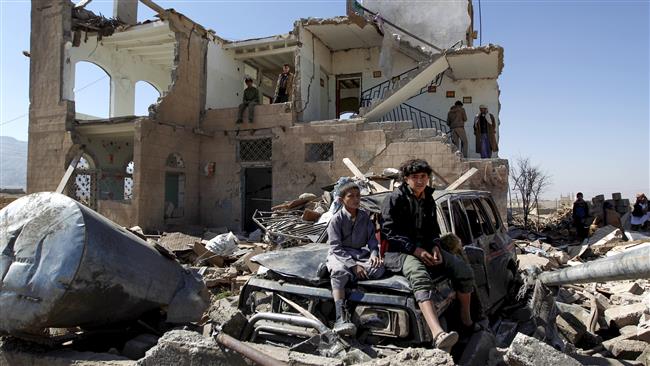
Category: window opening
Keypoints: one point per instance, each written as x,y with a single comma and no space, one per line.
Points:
92,91
315,152
128,181
255,150
145,95
461,227
174,160
492,212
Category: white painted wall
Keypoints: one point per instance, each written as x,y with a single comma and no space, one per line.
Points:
314,57
442,23
124,70
482,91
225,78
365,61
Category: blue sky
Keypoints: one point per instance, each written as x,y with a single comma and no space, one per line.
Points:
574,90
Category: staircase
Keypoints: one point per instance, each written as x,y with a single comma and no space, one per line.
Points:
384,98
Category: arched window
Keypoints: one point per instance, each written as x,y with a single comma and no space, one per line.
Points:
128,181
83,186
92,91
145,95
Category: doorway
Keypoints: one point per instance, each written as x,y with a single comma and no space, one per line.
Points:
258,194
348,95
174,194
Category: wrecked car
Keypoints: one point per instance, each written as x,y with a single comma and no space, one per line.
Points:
384,310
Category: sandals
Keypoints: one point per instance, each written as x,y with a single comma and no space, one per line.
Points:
444,341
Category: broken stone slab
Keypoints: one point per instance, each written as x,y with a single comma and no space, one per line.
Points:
531,260
580,313
625,314
415,357
528,351
625,298
186,348
213,277
570,327
567,296
628,287
224,313
477,351
178,242
628,349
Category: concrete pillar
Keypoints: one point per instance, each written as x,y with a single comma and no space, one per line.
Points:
122,97
126,10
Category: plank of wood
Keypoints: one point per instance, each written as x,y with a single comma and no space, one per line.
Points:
462,179
68,172
357,173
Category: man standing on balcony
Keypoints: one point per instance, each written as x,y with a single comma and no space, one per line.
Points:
284,85
485,131
456,119
250,100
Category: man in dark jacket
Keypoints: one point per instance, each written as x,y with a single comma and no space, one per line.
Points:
580,213
411,228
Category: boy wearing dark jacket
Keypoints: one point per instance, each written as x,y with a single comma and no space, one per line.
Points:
411,228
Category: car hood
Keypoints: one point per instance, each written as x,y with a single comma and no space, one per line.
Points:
299,262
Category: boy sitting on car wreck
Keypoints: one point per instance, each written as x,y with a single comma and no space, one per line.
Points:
353,253
410,226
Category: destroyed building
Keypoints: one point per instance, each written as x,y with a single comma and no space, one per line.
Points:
188,162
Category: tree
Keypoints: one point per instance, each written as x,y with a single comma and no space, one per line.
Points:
528,181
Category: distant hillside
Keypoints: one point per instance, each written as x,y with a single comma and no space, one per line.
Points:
13,163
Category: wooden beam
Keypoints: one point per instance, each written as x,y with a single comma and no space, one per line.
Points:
69,171
357,173
462,179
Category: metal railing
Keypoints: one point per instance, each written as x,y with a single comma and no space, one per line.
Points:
420,118
380,90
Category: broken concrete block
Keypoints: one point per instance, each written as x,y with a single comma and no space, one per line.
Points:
136,348
178,242
644,357
415,357
628,349
185,348
625,314
628,330
206,255
528,351
224,313
570,327
625,298
629,287
602,302
531,260
566,296
579,312
477,351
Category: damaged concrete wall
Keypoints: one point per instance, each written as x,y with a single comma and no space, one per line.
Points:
441,23
225,77
188,77
153,144
49,113
313,56
372,146
124,70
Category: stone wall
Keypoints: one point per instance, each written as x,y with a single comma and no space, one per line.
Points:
49,114
371,146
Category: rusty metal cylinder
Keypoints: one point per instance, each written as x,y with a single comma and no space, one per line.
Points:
63,265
